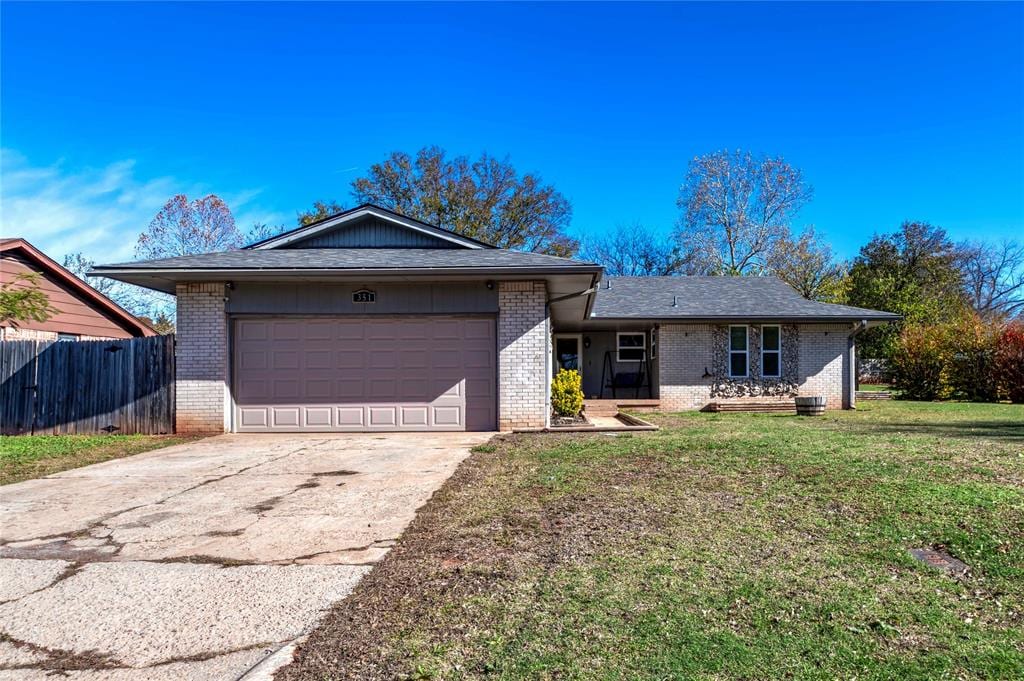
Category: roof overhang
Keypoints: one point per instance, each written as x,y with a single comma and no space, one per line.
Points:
574,286
622,322
327,224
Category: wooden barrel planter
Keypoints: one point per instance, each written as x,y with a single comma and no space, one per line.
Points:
810,406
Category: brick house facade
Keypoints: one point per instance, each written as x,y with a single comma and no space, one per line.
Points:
370,321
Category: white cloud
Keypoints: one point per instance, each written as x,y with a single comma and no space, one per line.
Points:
97,211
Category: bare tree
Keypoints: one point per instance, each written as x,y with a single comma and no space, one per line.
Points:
994,277
735,208
261,231
633,251
136,300
184,227
808,265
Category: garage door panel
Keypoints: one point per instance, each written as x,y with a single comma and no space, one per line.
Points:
364,374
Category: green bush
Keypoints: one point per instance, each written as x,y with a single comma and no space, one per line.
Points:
567,393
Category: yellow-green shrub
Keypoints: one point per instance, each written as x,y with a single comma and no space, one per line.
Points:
567,393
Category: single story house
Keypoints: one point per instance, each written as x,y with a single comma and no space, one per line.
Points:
82,312
371,321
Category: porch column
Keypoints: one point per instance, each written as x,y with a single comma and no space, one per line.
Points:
201,359
524,337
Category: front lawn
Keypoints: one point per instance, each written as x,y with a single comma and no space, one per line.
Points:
723,546
23,457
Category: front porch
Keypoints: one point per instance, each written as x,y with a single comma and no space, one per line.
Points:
618,367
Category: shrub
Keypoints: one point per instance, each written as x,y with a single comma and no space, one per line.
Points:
971,372
1009,362
919,363
567,393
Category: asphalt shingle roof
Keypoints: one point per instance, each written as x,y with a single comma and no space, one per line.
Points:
354,259
715,298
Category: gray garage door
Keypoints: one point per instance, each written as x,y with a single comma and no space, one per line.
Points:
364,374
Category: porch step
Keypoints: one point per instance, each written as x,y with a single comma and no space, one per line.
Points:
612,407
752,406
874,395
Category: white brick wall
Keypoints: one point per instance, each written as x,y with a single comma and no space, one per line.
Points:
201,355
684,356
523,341
823,369
686,350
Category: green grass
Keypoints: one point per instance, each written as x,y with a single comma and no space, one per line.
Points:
874,387
722,546
23,457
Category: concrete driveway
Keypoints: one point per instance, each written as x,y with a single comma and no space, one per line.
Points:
200,561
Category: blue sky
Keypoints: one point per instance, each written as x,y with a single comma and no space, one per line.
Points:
892,111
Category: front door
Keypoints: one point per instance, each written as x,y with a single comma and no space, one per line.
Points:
567,353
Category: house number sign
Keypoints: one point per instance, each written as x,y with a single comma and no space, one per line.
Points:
364,295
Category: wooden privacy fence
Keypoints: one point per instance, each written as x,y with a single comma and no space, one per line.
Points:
52,387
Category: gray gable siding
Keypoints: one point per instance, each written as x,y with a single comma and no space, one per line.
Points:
372,232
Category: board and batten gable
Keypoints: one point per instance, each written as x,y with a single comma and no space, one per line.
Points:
371,232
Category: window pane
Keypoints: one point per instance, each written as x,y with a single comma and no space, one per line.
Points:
770,364
631,354
770,338
631,340
738,338
738,364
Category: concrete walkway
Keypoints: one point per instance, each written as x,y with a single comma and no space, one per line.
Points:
200,561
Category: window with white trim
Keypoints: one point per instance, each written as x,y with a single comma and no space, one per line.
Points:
630,347
738,352
67,336
771,351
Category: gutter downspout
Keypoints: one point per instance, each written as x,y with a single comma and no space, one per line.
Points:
851,354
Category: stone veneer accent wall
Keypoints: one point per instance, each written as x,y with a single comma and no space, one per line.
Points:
693,361
201,356
523,351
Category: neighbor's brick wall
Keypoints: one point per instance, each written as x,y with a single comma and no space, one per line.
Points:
823,369
14,333
523,342
201,354
686,352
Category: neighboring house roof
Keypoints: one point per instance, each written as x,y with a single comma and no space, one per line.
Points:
717,298
360,213
93,313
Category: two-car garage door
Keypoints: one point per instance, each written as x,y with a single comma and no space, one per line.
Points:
364,374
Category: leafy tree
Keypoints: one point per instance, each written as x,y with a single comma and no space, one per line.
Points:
23,300
184,227
808,265
485,199
914,272
320,211
994,277
633,251
163,323
735,208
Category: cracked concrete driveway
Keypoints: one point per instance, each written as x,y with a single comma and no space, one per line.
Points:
201,560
